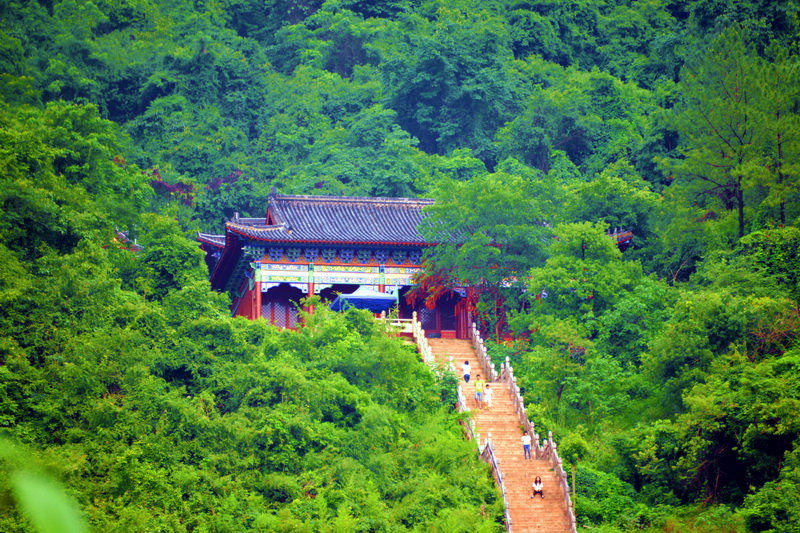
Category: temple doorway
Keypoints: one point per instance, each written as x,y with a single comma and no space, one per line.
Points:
449,319
405,309
281,305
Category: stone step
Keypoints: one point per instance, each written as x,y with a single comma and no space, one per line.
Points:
501,420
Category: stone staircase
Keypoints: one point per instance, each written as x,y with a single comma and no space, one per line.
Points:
503,424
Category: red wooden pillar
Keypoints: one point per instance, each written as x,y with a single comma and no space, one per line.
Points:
310,308
309,291
255,293
256,311
462,320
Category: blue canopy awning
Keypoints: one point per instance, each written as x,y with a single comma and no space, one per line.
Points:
364,298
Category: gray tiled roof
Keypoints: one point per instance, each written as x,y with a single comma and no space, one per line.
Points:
336,219
214,240
248,221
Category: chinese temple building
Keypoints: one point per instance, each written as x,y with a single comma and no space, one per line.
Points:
327,246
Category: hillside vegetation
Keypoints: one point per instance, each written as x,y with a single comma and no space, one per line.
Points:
668,372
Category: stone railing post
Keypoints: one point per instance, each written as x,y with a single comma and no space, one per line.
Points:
546,450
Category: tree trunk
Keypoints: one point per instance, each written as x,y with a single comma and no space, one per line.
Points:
740,206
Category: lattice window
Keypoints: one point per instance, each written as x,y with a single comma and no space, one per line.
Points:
399,256
346,254
415,256
311,254
292,316
427,318
328,254
364,255
293,254
279,316
381,255
281,311
273,313
275,254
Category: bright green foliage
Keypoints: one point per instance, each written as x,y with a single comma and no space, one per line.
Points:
773,507
780,81
449,78
196,419
736,120
590,116
737,427
41,500
491,230
538,126
583,275
45,505
606,499
774,254
618,196
168,261
502,230
721,163
637,317
61,182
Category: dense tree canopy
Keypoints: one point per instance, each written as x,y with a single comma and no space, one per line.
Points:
539,127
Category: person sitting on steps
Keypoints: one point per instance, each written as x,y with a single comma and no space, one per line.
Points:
538,488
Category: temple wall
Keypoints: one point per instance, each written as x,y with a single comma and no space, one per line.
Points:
246,304
279,281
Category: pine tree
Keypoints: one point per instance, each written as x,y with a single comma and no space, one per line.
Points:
719,125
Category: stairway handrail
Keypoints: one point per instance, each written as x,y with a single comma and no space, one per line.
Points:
483,355
427,356
507,375
549,450
488,455
421,339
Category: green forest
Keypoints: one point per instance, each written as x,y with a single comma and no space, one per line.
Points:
131,400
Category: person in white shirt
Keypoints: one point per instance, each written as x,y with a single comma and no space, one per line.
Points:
465,370
538,487
487,396
526,444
